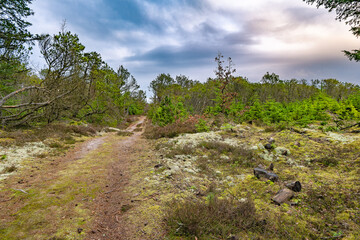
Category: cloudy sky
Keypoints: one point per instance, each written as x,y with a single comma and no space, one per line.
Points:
150,37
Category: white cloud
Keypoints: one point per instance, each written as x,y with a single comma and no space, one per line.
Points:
260,36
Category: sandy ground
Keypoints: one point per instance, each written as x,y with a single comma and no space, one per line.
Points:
103,216
110,207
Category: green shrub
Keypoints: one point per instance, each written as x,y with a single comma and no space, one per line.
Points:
167,112
201,126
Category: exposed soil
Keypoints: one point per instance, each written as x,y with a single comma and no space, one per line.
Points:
111,206
79,195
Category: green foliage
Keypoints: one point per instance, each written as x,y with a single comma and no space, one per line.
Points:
159,85
347,111
224,76
76,85
201,126
355,100
14,33
14,37
276,102
302,112
167,112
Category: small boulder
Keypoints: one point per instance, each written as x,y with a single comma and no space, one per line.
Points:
268,146
271,167
158,165
295,186
284,195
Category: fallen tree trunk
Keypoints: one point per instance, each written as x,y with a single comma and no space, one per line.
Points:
24,112
356,124
260,172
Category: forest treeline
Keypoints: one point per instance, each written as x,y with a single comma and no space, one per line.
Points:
77,85
271,101
74,85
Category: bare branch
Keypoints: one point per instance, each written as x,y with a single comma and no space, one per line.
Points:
2,101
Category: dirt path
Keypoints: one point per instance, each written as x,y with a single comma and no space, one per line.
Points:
80,195
112,205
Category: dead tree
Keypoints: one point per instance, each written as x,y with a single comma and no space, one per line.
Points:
29,109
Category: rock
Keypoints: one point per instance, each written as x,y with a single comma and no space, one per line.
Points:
295,186
261,166
79,230
271,140
283,195
112,129
268,146
158,165
271,167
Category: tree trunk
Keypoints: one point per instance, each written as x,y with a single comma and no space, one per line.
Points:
260,172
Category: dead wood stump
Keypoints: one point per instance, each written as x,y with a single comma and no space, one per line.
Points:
295,186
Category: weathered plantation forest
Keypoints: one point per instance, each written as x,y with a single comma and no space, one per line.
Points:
84,154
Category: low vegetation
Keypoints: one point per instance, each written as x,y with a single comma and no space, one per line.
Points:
59,131
216,195
213,217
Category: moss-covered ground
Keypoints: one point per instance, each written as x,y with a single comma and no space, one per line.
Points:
195,186
195,168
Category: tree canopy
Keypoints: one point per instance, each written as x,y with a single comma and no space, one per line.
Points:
13,27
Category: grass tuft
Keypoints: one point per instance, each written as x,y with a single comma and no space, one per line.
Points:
214,217
20,137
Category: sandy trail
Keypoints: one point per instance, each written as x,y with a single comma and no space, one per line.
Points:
93,175
112,204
